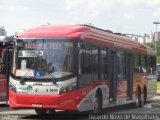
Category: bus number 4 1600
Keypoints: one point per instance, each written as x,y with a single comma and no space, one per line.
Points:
52,90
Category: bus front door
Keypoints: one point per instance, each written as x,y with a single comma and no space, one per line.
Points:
113,76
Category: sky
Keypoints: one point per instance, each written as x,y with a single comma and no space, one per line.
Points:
124,16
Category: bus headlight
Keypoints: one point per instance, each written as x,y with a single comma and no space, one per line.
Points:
68,88
12,88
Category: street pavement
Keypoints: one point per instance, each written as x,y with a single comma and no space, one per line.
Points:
125,112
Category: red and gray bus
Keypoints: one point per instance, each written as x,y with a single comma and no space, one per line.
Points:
81,68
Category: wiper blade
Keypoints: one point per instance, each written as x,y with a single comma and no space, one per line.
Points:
54,81
53,77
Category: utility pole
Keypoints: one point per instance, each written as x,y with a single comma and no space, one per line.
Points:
156,35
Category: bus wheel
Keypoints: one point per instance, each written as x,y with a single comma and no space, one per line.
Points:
42,111
51,111
97,107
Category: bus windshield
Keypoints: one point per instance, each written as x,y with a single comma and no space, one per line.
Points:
43,58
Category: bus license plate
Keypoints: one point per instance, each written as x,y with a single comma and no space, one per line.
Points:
37,105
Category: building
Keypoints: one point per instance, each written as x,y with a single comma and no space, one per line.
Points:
149,38
158,36
3,33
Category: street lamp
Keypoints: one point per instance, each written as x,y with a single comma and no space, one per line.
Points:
156,35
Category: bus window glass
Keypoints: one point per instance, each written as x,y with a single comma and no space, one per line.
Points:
153,62
94,64
104,64
39,58
121,63
143,64
85,64
82,59
149,70
136,63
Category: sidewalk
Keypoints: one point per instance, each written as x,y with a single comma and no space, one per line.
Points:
157,97
156,103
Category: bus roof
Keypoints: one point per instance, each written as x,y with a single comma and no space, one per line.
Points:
49,31
86,33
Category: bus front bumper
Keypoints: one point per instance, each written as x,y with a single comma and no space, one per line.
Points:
18,101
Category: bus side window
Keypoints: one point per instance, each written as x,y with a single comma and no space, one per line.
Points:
143,64
121,65
3,61
149,68
94,64
136,63
104,64
153,64
6,60
85,65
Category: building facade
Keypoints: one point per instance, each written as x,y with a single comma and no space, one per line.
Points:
149,38
3,31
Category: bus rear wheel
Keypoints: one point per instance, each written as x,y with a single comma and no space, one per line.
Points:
42,111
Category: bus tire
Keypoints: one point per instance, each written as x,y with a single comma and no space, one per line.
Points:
97,107
42,111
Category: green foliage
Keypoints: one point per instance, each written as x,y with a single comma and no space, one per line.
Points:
152,45
158,84
158,59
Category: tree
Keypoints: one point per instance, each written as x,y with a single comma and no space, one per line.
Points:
152,45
